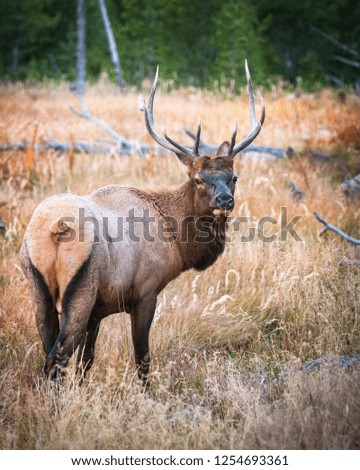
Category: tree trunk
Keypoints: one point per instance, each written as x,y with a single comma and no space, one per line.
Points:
112,44
15,59
81,47
15,52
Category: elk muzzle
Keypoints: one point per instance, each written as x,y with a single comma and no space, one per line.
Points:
222,204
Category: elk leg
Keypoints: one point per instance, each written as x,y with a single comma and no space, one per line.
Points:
47,323
86,353
141,318
73,326
77,303
46,317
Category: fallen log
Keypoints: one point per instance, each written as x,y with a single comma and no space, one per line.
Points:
124,148
82,147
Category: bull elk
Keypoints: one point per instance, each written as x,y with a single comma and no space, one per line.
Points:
78,275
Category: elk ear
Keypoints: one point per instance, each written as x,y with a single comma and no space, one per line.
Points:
223,150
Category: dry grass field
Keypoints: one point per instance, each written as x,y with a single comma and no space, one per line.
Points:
227,344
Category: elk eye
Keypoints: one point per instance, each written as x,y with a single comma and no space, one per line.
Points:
198,181
235,178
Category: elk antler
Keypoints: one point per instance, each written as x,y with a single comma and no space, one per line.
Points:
234,149
197,141
168,144
173,146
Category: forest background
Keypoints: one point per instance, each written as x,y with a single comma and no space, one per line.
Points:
198,43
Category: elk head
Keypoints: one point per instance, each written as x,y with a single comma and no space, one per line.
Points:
212,177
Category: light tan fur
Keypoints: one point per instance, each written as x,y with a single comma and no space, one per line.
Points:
58,260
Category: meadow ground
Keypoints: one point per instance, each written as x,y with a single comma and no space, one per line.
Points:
227,344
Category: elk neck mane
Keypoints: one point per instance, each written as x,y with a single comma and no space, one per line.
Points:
199,247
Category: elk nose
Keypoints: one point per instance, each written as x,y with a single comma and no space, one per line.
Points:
225,201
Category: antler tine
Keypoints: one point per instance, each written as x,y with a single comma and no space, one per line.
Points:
197,141
149,121
178,146
255,123
233,138
262,118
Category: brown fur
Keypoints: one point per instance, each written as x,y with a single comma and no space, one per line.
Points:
217,163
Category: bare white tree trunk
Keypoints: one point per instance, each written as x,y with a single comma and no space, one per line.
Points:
81,47
112,44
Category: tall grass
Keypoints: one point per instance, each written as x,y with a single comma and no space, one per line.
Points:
227,344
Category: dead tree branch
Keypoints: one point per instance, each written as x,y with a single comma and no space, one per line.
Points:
331,227
127,146
352,63
337,43
333,78
85,114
